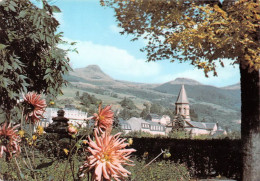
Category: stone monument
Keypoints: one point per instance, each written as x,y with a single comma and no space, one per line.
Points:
59,124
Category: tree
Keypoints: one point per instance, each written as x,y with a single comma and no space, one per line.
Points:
145,111
128,113
206,33
179,123
170,112
88,100
29,55
77,94
156,108
127,103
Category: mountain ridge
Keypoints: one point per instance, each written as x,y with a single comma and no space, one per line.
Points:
94,72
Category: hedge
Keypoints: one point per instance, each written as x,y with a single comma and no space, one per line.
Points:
204,158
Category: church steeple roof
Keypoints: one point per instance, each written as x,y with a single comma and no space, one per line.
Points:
182,98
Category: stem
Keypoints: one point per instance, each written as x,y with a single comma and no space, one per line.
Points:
22,119
72,169
18,167
149,163
153,159
26,164
29,161
64,175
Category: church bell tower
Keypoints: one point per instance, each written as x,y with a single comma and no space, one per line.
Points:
182,106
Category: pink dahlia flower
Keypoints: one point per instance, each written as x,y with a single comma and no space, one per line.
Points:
108,154
9,140
105,117
36,106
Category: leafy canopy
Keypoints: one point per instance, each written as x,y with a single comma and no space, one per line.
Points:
29,55
202,32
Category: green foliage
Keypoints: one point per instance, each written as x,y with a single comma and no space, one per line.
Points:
142,134
53,170
179,123
128,113
77,94
29,55
158,171
202,137
87,100
193,115
127,103
129,109
156,109
179,134
48,169
144,113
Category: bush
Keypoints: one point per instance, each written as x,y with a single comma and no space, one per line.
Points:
204,158
140,134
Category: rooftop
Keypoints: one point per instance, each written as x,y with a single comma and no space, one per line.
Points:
182,98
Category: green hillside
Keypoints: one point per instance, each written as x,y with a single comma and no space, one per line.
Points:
211,104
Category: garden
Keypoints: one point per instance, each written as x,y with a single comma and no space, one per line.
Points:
79,153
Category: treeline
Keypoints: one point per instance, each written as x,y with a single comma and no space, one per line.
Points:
129,109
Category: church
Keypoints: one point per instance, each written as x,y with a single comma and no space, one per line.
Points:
182,110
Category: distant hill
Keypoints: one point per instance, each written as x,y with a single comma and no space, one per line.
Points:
209,102
91,74
184,81
232,87
205,93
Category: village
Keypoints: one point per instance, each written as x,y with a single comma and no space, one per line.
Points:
153,124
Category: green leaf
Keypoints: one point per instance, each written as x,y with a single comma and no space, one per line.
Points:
2,46
55,9
12,8
13,3
46,77
48,70
22,14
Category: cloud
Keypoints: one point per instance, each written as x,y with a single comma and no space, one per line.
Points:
114,61
121,65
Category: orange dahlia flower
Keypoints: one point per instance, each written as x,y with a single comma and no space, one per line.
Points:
105,117
35,106
108,154
9,140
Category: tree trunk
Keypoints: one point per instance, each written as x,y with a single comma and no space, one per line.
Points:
250,125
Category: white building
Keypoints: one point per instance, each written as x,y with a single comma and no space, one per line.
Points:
75,116
139,124
164,120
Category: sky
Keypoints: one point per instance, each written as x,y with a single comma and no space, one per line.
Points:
99,42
